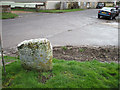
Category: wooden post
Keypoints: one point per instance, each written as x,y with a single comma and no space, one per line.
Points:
2,55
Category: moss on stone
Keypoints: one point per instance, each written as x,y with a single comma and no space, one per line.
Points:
38,54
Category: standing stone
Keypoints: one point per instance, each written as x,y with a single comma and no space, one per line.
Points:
36,54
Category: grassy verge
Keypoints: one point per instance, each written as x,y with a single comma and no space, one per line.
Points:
30,10
65,74
7,15
0,76
49,11
8,59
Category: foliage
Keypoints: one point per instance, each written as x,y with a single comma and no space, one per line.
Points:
7,15
57,6
81,49
65,74
73,5
64,48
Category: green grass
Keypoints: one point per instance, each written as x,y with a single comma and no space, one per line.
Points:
81,50
65,74
60,11
0,76
30,10
64,48
9,59
7,15
49,11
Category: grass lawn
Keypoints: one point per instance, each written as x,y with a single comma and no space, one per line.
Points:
49,11
65,74
7,15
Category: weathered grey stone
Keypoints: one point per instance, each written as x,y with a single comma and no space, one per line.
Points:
36,54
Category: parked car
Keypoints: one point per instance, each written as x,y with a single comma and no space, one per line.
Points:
117,10
100,5
107,12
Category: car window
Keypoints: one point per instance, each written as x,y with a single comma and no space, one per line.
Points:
112,10
106,9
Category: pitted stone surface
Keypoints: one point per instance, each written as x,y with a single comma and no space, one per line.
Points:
36,54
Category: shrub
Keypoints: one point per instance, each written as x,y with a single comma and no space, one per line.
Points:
57,6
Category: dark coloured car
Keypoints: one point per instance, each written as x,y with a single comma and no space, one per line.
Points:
100,5
107,12
117,10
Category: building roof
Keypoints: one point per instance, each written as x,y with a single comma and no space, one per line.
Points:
25,0
62,0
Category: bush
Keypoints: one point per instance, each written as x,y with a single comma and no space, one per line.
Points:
57,6
73,5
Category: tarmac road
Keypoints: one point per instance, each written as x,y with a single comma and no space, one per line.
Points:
72,28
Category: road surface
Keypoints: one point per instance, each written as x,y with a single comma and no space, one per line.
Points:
72,28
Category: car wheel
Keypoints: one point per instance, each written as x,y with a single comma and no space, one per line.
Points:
111,18
98,16
114,18
117,14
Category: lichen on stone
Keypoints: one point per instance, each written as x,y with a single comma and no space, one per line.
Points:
36,53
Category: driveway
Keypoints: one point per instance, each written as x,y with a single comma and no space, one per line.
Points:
72,28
